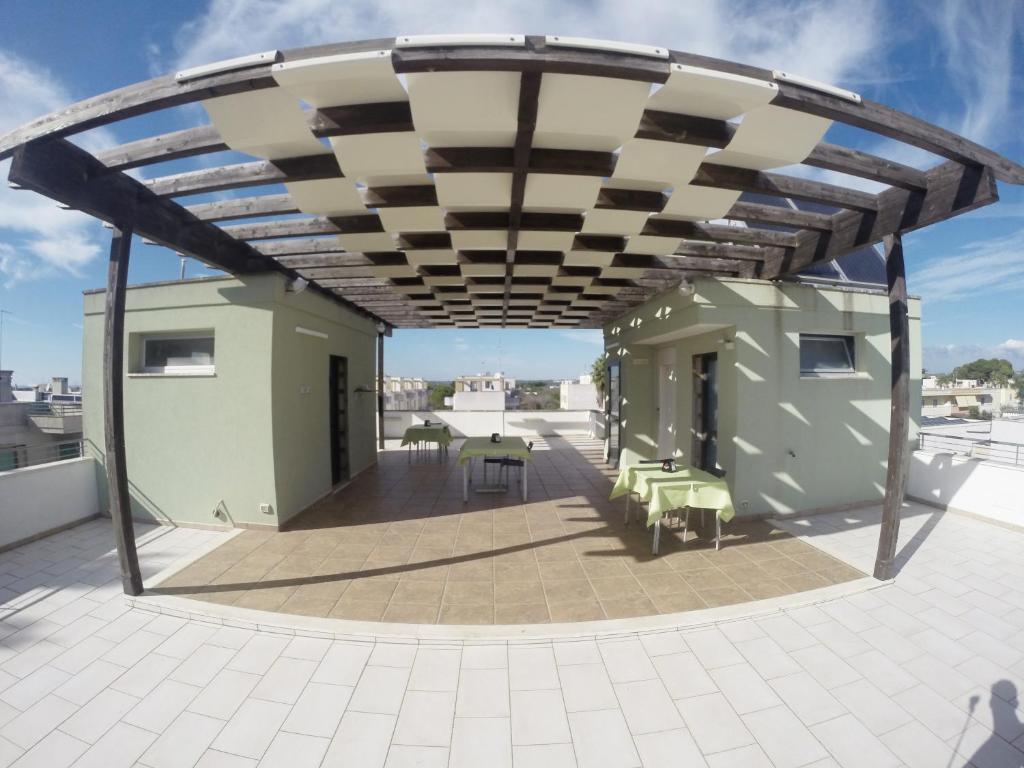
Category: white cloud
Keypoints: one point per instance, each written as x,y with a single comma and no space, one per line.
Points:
585,336
41,238
986,266
1013,344
943,359
978,47
828,40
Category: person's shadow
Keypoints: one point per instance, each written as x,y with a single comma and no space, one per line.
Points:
996,751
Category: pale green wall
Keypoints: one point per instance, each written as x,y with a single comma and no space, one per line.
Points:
246,435
838,428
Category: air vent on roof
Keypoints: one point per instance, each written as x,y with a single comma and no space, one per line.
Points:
442,41
815,85
228,65
559,41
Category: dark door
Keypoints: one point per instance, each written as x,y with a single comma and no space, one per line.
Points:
339,418
705,410
613,413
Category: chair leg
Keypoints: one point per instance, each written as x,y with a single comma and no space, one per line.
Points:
686,524
657,536
718,532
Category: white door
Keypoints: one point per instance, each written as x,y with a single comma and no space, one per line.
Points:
666,411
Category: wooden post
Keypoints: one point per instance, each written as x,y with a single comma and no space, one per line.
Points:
113,410
380,388
899,414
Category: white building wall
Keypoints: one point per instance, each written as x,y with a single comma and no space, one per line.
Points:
479,401
980,488
36,500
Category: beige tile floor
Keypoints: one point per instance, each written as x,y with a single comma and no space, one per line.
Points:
398,544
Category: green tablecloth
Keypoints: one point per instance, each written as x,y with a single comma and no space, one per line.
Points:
686,487
432,434
482,446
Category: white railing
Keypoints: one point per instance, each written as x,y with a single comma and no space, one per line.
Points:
510,423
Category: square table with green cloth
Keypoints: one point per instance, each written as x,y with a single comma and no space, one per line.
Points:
687,487
513,447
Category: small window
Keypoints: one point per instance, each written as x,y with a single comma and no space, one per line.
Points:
179,353
822,355
12,457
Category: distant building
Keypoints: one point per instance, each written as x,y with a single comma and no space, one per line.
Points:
962,396
403,393
579,395
39,430
484,392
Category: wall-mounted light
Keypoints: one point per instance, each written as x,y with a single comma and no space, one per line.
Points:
727,342
686,288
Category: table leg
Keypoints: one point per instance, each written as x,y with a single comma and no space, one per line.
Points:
465,484
657,536
718,531
625,520
524,480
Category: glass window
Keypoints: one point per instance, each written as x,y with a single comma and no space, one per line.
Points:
11,457
820,354
178,354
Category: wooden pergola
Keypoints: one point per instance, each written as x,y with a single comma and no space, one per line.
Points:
502,181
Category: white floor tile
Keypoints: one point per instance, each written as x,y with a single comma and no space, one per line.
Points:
252,728
713,723
683,675
257,655
483,693
601,740
292,750
852,745
160,708
182,744
669,749
586,687
744,688
626,661
425,719
392,654
489,656
119,747
33,725
308,648
825,666
538,717
56,750
343,664
319,710
807,698
93,720
916,746
417,757
380,690
213,758
786,741
481,741
202,666
647,707
284,681
362,741
27,691
751,756
224,695
141,679
435,669
576,652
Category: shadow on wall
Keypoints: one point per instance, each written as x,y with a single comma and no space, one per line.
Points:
800,443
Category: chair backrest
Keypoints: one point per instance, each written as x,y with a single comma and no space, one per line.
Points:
529,447
716,471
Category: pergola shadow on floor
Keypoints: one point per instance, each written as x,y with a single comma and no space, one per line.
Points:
398,544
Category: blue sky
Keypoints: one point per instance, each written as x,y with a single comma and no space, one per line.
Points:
957,64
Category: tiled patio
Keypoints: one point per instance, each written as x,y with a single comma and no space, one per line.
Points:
399,545
922,673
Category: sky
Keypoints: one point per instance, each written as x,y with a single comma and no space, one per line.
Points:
957,64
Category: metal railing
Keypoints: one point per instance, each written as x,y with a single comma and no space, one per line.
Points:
973,447
21,456
59,408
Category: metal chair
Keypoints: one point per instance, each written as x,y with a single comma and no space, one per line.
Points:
508,461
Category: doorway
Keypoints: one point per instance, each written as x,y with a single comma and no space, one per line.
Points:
613,414
338,387
705,410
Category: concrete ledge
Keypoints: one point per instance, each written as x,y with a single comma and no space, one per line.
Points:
379,631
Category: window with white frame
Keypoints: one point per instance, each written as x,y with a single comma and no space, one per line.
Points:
827,354
178,353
